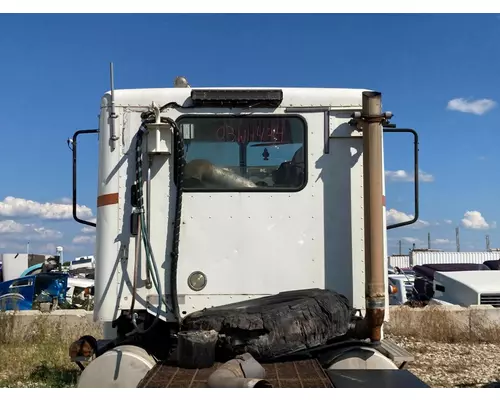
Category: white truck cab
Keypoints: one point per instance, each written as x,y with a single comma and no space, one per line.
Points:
213,201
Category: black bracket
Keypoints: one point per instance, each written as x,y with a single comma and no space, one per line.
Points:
73,149
391,128
357,118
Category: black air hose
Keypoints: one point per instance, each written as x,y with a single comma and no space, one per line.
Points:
179,162
150,261
179,177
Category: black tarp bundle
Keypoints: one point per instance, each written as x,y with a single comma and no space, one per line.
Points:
276,326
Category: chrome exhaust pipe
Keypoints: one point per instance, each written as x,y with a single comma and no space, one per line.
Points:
241,372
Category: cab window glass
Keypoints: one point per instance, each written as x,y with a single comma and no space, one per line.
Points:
244,153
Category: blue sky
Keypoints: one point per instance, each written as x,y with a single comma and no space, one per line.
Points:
54,70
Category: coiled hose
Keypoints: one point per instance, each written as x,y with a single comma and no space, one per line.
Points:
179,179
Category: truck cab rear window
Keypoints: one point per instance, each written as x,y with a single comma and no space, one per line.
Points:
250,153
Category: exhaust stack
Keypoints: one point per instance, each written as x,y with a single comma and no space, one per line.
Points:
370,120
374,216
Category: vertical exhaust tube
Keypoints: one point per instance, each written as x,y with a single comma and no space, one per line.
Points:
374,217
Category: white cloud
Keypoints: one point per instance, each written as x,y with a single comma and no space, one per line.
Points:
12,247
89,229
65,200
477,107
46,234
50,248
10,226
84,239
35,248
27,232
474,220
14,237
9,244
394,216
448,221
425,177
419,243
17,207
411,240
401,175
46,248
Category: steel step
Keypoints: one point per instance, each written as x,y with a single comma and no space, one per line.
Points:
395,353
291,374
374,378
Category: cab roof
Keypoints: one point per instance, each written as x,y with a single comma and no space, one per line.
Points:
292,97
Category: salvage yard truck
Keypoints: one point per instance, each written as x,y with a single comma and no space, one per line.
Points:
241,240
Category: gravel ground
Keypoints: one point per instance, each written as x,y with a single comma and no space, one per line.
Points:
437,364
459,362
453,364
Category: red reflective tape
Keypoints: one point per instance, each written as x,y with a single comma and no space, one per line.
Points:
107,199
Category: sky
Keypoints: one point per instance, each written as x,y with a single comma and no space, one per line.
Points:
438,74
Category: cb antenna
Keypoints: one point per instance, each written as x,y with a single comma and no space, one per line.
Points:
112,114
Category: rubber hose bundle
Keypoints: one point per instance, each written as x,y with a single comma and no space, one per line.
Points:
178,178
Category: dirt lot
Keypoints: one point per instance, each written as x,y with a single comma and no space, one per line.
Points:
449,352
443,357
453,364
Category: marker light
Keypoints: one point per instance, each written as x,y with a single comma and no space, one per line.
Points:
197,281
181,82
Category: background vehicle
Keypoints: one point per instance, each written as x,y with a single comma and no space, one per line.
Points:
467,288
401,287
82,262
43,291
425,276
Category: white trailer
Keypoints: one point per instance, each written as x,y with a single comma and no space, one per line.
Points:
86,262
452,257
238,203
399,262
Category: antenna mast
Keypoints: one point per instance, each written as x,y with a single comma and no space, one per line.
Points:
112,114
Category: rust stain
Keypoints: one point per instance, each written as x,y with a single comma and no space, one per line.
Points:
107,199
375,319
383,201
